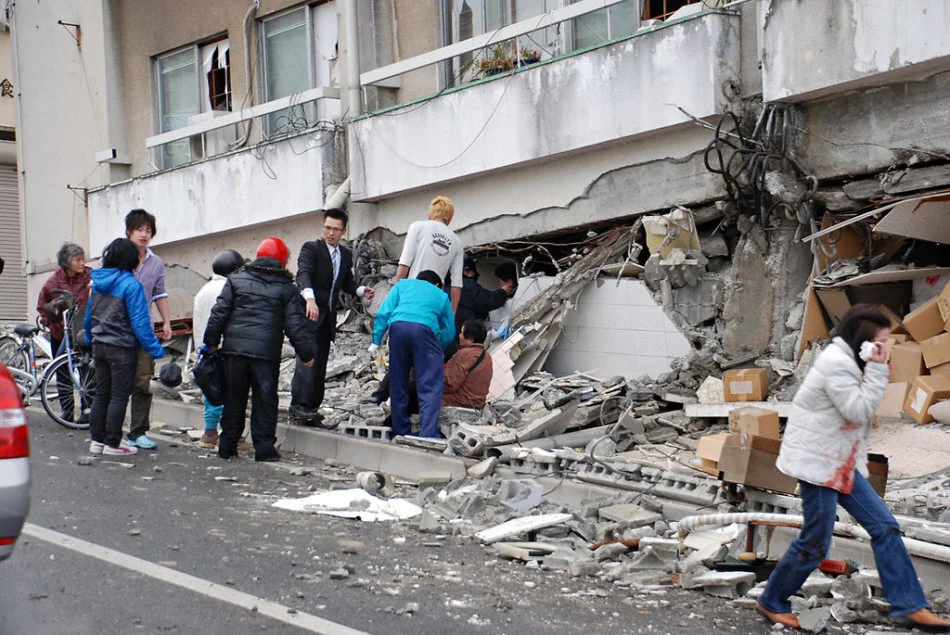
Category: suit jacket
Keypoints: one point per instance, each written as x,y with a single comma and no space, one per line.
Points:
315,271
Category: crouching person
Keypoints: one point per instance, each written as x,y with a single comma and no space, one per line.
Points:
419,318
468,373
257,306
117,323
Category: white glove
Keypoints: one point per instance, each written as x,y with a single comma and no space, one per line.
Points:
373,350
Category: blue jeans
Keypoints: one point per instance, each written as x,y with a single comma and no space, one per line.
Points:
212,415
819,505
414,346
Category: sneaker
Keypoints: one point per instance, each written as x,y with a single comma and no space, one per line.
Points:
124,449
95,447
209,440
143,442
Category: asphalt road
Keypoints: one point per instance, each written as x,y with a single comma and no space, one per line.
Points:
249,567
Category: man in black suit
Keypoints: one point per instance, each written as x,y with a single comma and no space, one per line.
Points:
324,268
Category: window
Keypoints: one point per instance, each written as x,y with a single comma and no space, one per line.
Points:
662,9
300,52
605,25
184,92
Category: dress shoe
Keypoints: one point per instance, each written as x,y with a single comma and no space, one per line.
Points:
926,621
785,619
268,458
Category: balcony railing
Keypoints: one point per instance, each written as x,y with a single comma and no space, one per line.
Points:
303,99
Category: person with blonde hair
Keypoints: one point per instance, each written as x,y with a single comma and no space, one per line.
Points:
431,246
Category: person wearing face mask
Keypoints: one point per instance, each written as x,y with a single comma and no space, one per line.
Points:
324,269
825,448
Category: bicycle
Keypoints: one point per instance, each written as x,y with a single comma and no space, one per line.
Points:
68,380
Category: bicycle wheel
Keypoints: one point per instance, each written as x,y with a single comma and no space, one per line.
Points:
12,355
67,395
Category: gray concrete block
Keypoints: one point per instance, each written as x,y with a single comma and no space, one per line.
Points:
815,620
630,514
726,584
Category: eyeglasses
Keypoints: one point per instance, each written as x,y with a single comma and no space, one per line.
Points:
336,230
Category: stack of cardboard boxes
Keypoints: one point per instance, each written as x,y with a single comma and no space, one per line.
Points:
747,453
919,355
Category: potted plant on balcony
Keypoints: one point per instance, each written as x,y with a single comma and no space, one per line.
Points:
528,56
497,61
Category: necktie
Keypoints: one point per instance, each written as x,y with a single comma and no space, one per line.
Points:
335,261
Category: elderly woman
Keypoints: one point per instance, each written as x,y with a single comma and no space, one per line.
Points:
74,276
825,448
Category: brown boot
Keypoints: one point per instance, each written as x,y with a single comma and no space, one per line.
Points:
785,619
209,440
925,620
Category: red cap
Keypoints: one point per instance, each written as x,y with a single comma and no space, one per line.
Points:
273,247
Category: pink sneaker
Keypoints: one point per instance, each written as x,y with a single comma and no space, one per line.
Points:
124,449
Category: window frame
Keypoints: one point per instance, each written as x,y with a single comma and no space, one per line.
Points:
158,84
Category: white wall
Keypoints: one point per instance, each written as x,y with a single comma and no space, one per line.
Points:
813,47
617,329
226,193
603,96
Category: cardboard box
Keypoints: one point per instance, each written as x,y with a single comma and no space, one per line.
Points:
943,305
747,384
708,451
750,460
897,325
893,340
877,473
925,321
760,422
936,350
892,405
942,369
907,362
924,392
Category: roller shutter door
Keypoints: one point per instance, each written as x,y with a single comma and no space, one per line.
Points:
13,301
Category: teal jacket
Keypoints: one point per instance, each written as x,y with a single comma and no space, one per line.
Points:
420,302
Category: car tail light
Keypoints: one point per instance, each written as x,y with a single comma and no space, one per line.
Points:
14,438
7,541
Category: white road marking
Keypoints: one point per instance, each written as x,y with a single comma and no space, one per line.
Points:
212,590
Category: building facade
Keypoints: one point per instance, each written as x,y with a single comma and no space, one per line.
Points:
13,293
236,119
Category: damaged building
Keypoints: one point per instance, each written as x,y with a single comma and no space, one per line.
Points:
736,130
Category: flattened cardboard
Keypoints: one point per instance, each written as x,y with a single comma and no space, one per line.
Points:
746,384
835,303
943,305
907,362
760,422
813,325
936,350
892,405
921,218
924,392
750,460
925,321
942,369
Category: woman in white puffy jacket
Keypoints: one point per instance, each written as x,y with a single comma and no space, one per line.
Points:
825,448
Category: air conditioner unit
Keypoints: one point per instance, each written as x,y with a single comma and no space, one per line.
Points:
213,142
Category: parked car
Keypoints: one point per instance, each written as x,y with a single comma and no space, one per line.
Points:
14,464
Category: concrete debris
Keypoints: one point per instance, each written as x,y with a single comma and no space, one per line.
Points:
518,526
725,584
815,620
352,503
629,514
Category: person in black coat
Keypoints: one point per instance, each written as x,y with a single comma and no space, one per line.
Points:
257,306
324,269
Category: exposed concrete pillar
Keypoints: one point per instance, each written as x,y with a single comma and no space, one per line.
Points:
354,101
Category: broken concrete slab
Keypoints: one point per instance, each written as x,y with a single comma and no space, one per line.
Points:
472,440
517,526
520,495
483,468
524,551
817,584
815,620
630,514
726,584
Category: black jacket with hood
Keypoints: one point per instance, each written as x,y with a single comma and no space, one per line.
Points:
258,305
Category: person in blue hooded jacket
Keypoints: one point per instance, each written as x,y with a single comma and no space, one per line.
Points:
117,323
419,318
